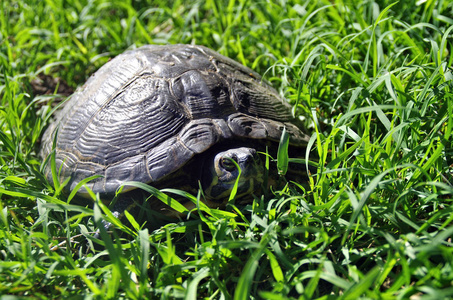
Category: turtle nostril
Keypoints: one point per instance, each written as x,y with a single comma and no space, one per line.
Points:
248,159
251,157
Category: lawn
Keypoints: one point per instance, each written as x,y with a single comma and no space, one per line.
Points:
372,81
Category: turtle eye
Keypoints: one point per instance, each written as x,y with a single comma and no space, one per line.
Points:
227,163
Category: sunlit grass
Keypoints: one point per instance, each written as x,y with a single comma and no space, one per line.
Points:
372,83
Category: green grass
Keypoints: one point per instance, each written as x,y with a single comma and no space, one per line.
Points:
371,80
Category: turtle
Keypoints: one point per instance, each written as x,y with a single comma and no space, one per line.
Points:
180,116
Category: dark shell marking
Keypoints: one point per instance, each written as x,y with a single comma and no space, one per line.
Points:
148,111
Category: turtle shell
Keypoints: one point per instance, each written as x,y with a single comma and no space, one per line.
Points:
149,111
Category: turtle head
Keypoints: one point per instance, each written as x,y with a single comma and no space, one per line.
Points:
221,171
